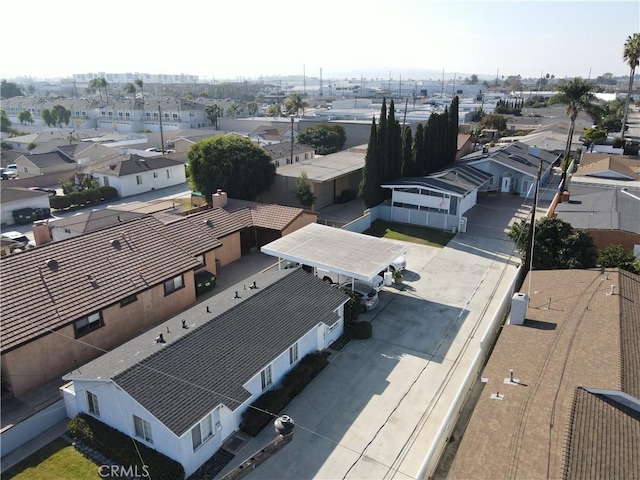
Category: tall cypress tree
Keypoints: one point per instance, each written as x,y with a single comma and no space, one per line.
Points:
419,152
407,169
453,126
370,190
393,142
383,142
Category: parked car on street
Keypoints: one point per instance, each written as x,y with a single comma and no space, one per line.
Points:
7,173
368,295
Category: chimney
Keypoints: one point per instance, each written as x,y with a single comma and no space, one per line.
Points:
42,233
219,199
519,303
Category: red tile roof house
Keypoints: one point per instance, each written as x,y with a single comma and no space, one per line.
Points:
185,394
66,302
572,410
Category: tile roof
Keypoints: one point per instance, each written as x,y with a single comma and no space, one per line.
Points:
630,332
220,222
460,179
207,364
263,215
134,164
573,336
604,439
51,159
601,207
51,286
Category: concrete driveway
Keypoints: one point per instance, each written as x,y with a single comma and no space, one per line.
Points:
376,409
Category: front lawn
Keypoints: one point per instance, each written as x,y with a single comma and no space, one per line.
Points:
55,461
410,233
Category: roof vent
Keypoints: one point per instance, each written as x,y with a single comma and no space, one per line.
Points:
612,291
208,223
52,264
253,285
115,244
160,339
236,295
184,324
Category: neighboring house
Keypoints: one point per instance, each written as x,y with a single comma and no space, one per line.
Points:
103,287
82,223
465,145
131,174
561,391
16,198
282,153
513,167
328,176
523,123
609,213
610,166
182,388
552,138
437,200
54,163
83,110
263,222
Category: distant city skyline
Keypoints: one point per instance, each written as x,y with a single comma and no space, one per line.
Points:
346,39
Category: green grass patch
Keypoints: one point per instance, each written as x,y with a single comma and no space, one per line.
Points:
410,233
56,461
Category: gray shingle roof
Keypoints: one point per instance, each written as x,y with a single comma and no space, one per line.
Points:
517,155
52,159
180,381
135,164
460,179
39,295
9,194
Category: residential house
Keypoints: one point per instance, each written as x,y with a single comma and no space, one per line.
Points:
83,111
55,164
263,222
465,145
182,388
437,200
284,154
131,174
513,167
625,168
561,389
552,138
103,288
16,198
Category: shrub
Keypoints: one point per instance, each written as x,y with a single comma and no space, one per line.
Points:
261,412
117,446
108,193
93,195
59,202
618,142
77,198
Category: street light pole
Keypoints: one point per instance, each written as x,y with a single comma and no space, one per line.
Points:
291,161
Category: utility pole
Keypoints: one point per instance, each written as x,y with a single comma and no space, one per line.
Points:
291,162
528,260
284,428
161,135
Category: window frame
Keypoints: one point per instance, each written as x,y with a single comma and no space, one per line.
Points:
294,353
91,325
202,432
266,377
144,431
93,406
128,300
173,288
138,179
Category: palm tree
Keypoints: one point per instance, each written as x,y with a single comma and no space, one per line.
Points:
577,95
295,103
140,83
631,55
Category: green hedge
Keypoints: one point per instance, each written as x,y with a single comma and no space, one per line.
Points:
108,193
274,400
78,198
59,202
117,446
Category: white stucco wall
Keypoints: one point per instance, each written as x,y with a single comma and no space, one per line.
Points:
127,184
7,208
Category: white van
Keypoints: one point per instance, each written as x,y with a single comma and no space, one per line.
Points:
332,277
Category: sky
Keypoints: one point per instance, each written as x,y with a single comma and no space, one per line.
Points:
248,39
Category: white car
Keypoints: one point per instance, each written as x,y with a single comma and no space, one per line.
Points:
21,240
332,277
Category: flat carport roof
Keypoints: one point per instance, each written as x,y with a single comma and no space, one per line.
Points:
352,254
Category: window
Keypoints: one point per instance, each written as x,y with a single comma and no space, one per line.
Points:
155,174
92,401
172,285
130,299
105,181
168,173
267,377
139,179
88,324
293,354
202,432
143,429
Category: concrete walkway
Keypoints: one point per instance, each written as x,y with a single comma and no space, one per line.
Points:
33,446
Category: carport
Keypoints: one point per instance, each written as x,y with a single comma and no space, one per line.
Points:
351,254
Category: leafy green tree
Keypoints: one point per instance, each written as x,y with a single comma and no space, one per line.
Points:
129,88
631,56
31,146
232,163
5,123
419,154
556,245
304,194
370,190
595,135
407,169
325,137
577,95
274,111
252,108
25,117
234,110
214,112
47,117
494,121
9,90
60,114
616,256
294,103
99,84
